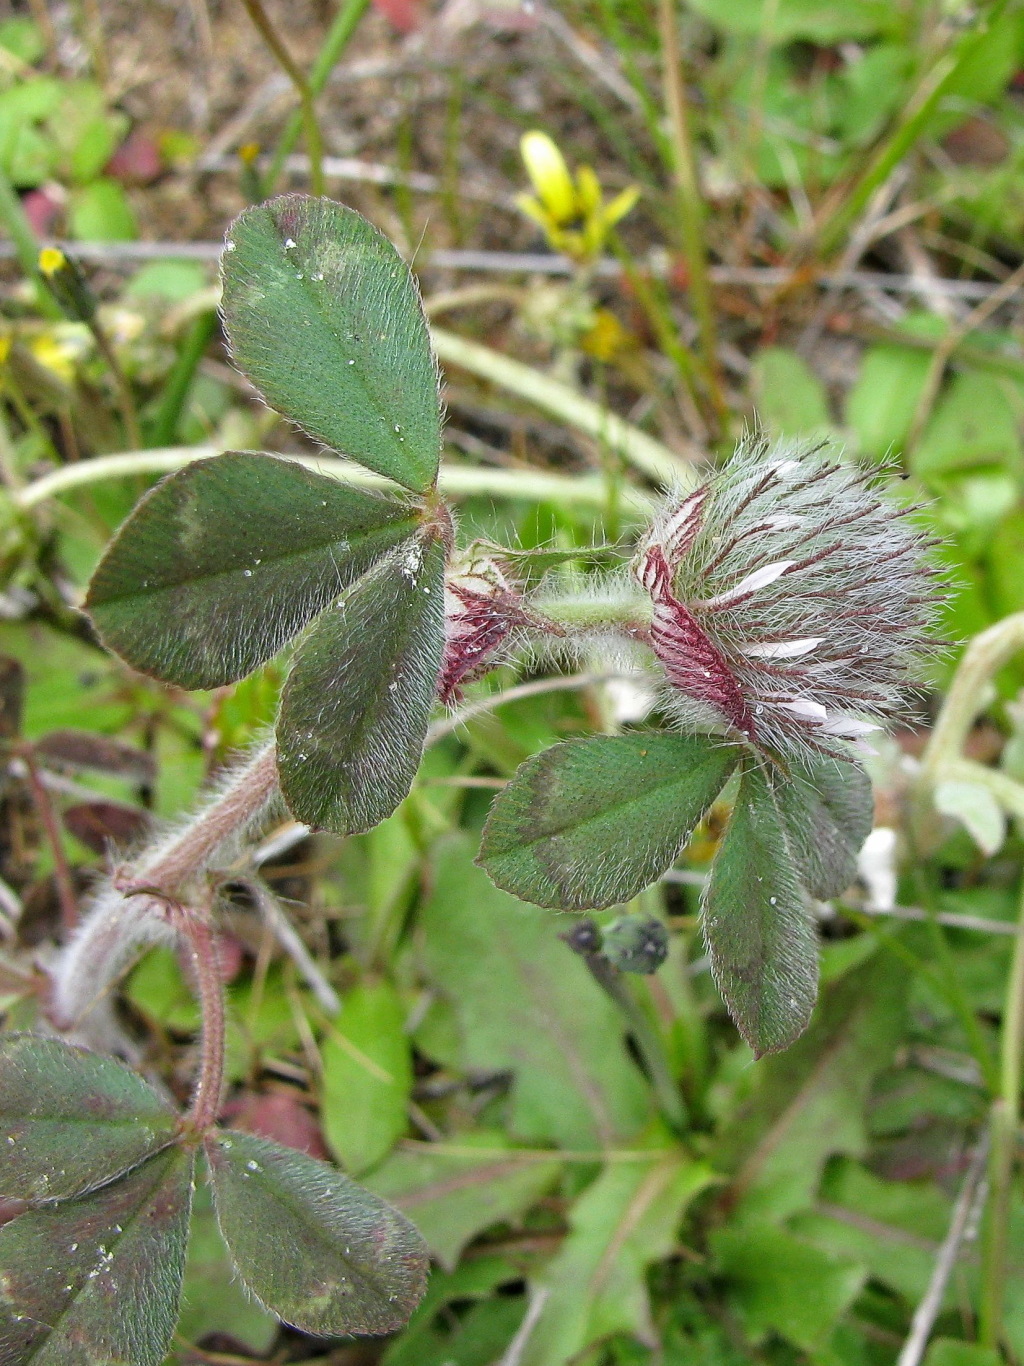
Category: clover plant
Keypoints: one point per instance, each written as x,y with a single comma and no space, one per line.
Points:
780,606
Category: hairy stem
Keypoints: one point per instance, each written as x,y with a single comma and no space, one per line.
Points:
123,916
195,928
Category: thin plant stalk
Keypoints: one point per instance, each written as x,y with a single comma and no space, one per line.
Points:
688,194
125,398
314,141
648,1040
345,23
164,426
1006,1117
455,481
565,404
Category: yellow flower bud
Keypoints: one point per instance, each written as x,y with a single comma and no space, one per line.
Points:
549,175
52,260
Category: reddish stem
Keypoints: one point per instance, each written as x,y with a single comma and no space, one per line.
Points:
205,960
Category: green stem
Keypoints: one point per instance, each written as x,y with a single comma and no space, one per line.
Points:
164,426
455,480
622,609
688,195
1006,1115
314,142
125,398
341,31
648,1040
638,449
943,755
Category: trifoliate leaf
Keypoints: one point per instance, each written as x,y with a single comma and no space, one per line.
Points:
221,564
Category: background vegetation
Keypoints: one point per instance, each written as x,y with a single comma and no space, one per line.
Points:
828,234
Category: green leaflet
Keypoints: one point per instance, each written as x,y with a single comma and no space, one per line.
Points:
325,319
759,931
355,708
827,808
220,565
72,1119
367,1076
322,1252
589,823
63,1268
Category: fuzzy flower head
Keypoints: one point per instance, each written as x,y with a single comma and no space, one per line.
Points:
481,610
791,601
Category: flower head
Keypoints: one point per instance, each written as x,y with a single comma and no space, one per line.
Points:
791,601
573,212
481,609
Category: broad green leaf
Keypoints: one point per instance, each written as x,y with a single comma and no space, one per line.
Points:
425,1341
588,823
891,1227
355,708
71,1120
222,563
809,1102
827,808
324,317
321,1251
759,931
367,1076
96,1281
975,423
781,1283
522,1000
453,1191
627,1219
789,396
880,406
101,212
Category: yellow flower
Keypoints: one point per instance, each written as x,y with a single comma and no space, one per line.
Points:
550,177
571,212
52,260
